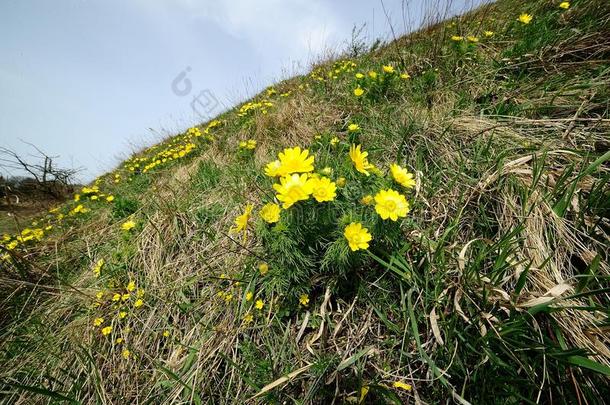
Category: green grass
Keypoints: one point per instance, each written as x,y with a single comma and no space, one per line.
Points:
508,139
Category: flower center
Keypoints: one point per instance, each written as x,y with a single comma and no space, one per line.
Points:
390,205
295,192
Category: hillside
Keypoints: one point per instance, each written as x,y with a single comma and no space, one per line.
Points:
421,222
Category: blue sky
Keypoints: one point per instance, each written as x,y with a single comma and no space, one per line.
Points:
92,80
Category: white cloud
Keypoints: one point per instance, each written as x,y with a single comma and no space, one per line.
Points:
288,29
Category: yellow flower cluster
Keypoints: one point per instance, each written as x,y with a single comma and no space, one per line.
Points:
250,144
232,290
169,154
211,125
10,243
173,149
373,79
113,309
93,194
337,69
471,38
297,182
39,229
195,132
253,106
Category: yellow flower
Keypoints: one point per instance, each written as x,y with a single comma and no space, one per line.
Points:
363,393
334,141
327,171
250,144
472,38
373,74
125,297
241,222
98,321
249,296
388,68
122,315
259,304
390,204
293,160
110,198
107,330
359,159
402,176
79,209
405,76
322,189
119,341
97,269
358,91
131,286
270,213
367,199
248,317
99,295
357,236
353,127
341,182
565,5
457,38
304,300
488,33
273,169
126,353
165,333
292,188
138,303
128,225
263,268
525,18
359,76
402,385
116,297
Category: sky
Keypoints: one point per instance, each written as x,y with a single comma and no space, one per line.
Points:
92,81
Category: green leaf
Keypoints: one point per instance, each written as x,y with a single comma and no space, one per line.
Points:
44,391
585,362
351,360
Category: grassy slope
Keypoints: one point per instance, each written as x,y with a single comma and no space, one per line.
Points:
509,140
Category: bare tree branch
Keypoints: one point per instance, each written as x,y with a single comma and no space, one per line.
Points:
50,179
